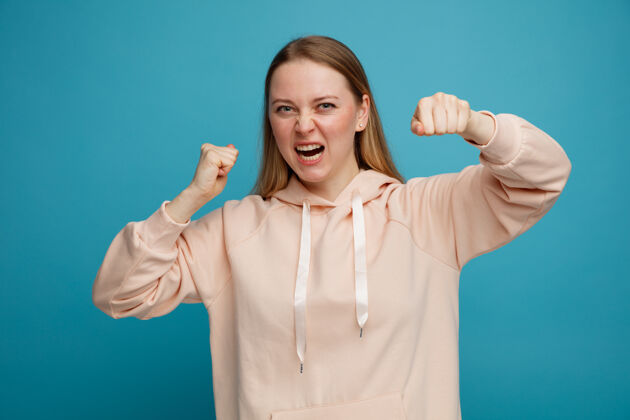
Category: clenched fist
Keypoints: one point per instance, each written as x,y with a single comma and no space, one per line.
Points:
440,114
447,114
214,164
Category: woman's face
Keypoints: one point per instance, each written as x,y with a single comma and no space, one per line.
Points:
311,107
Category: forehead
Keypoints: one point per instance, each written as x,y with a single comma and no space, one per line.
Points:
304,79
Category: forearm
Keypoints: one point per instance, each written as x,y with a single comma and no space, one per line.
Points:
480,128
185,205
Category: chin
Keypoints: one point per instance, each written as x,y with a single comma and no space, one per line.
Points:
311,174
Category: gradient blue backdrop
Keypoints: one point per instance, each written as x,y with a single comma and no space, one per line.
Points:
104,107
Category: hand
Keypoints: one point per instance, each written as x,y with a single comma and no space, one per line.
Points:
441,114
214,164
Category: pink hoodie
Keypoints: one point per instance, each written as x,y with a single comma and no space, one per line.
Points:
289,282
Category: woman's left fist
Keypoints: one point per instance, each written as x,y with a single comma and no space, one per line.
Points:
440,114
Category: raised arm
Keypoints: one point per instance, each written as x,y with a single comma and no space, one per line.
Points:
458,216
153,265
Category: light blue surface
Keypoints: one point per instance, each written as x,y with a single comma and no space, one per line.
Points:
104,106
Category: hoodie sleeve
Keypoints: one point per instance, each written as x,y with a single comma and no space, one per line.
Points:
153,265
458,216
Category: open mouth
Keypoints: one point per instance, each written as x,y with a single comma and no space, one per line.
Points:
310,152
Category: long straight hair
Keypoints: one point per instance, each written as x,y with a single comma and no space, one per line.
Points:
370,145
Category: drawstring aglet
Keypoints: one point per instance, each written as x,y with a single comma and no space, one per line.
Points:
301,367
361,333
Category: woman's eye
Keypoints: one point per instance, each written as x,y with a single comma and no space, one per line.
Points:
281,107
286,108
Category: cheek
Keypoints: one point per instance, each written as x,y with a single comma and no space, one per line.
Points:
280,131
342,123
341,127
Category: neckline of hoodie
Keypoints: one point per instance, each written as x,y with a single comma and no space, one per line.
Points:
316,209
297,191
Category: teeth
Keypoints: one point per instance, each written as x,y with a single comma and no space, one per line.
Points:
311,157
308,147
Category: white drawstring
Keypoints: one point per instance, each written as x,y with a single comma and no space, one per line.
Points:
300,283
360,264
360,273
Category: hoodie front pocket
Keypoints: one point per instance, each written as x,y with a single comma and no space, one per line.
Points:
388,406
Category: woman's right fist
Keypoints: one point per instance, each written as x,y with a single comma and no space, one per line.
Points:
215,162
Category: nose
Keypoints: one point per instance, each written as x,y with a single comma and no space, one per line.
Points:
304,124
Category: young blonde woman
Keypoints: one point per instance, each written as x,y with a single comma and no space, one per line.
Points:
332,290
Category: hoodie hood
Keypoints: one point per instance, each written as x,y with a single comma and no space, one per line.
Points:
369,183
364,187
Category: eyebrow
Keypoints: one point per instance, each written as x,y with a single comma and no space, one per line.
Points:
314,100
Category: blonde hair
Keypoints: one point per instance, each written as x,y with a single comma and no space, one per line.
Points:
371,150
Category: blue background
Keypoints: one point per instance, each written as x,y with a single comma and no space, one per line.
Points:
105,105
